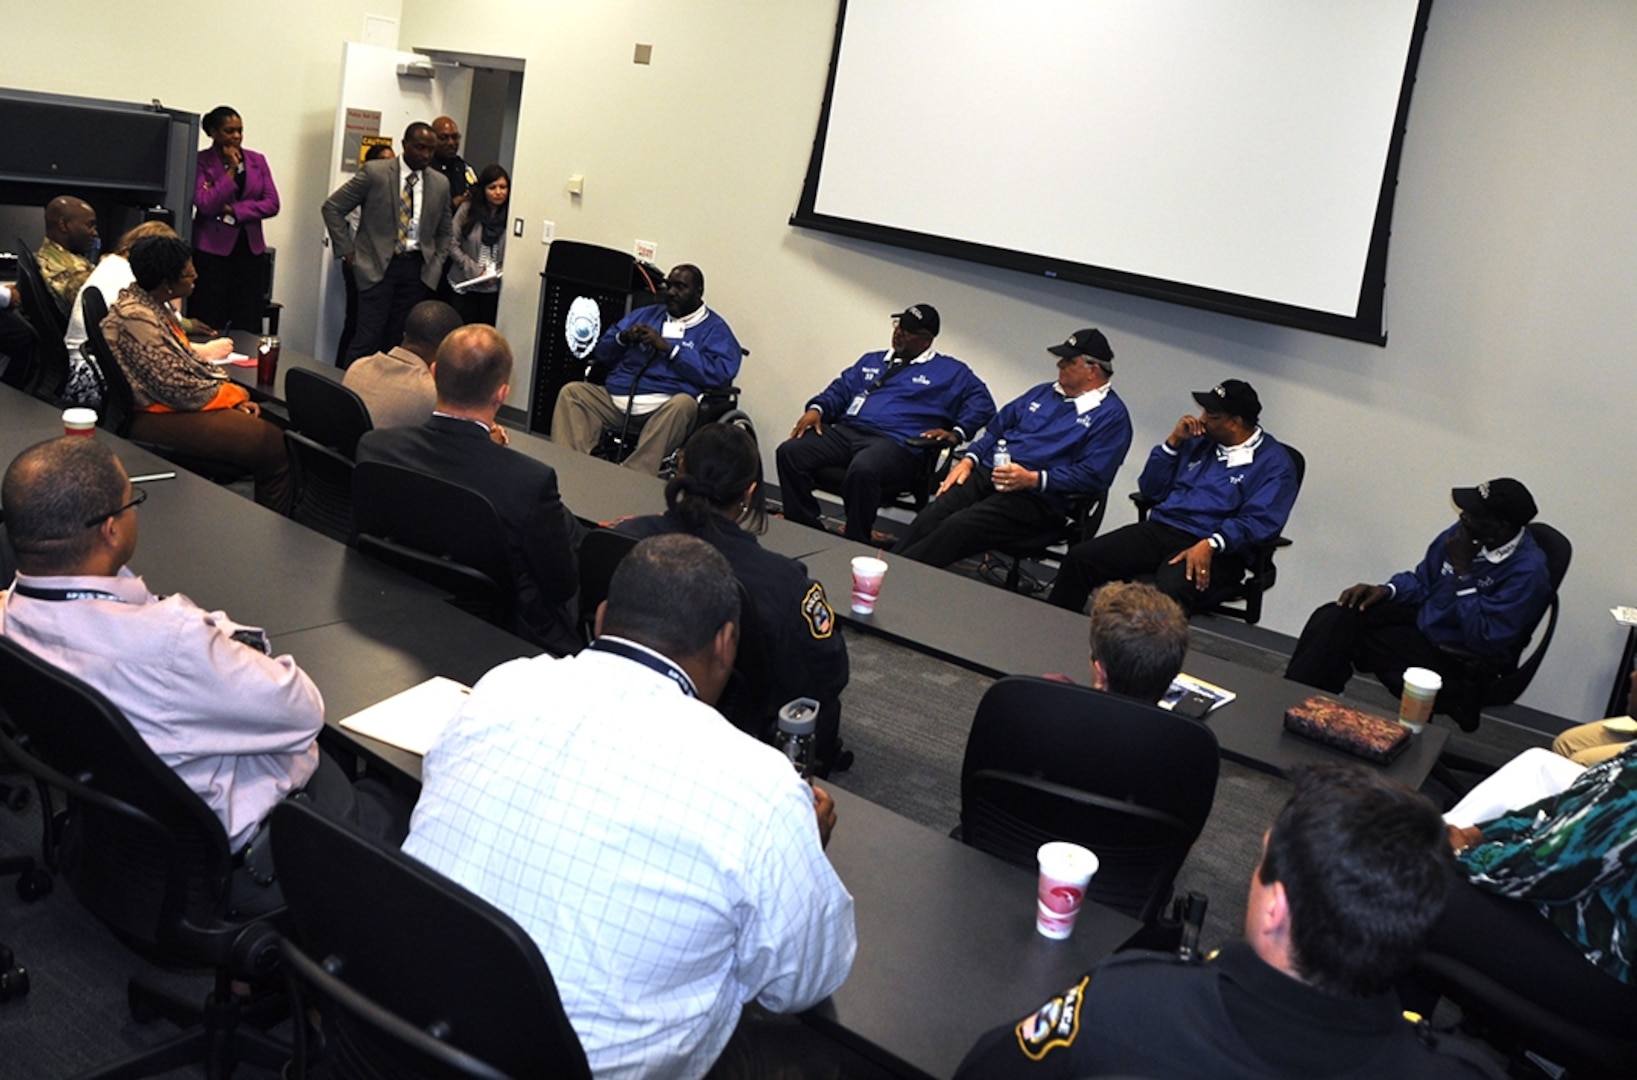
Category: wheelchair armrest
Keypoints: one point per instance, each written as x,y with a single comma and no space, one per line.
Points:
921,442
719,393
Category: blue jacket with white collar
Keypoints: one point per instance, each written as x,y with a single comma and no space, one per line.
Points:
1233,505
938,392
1491,610
1075,453
705,357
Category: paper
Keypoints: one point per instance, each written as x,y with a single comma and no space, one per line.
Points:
413,719
491,274
239,359
1625,616
1185,684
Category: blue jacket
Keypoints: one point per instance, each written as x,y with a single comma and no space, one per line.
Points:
1491,611
708,356
1236,506
938,392
1075,454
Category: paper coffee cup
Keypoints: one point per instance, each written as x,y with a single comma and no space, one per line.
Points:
1065,871
79,421
1421,687
867,575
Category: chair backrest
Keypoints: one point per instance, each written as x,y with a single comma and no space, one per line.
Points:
438,531
40,305
326,412
1559,552
140,849
321,487
600,553
1052,761
118,400
412,946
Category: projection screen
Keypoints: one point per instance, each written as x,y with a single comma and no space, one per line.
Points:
1234,155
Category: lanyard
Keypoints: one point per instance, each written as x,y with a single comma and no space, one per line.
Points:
34,592
649,660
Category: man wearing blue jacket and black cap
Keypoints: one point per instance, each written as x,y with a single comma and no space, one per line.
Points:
1222,485
1481,588
863,421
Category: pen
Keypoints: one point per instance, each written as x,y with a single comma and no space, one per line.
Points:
145,477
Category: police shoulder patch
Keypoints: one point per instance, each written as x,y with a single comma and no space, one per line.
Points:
1054,1025
821,621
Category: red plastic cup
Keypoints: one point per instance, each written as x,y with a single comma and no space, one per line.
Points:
1065,871
267,360
80,421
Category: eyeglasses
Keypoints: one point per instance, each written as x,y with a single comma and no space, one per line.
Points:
136,500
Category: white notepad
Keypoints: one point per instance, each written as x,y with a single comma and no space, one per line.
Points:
412,719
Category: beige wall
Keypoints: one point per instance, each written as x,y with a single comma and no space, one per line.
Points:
1510,286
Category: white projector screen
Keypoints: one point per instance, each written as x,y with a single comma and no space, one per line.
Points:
1237,155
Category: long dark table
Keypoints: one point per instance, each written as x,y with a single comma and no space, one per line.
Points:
999,633
224,551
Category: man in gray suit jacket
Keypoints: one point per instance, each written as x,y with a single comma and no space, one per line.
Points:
402,241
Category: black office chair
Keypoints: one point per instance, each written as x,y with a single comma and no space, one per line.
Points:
1473,683
119,402
1080,523
326,422
1260,573
600,553
418,976
325,411
1052,761
443,533
46,319
1575,1014
936,457
145,855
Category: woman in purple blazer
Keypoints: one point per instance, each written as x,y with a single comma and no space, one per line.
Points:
232,195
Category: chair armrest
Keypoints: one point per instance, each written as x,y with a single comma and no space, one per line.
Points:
1143,504
921,442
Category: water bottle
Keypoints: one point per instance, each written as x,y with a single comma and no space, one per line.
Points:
797,721
1002,455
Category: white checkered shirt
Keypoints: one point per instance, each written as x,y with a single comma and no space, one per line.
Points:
667,864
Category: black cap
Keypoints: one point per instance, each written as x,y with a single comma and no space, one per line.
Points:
1088,342
1232,396
1503,498
919,317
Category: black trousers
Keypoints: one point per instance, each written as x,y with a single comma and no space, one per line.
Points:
1139,550
230,288
1382,639
384,308
874,464
973,517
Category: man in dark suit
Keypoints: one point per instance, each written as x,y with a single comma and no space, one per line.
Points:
462,444
402,241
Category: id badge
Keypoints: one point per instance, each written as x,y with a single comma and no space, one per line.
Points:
856,405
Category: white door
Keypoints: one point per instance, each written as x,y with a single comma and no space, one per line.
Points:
370,82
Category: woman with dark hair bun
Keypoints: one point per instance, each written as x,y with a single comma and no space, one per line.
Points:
182,401
233,194
479,247
716,493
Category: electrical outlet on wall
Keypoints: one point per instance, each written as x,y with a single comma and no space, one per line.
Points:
646,250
